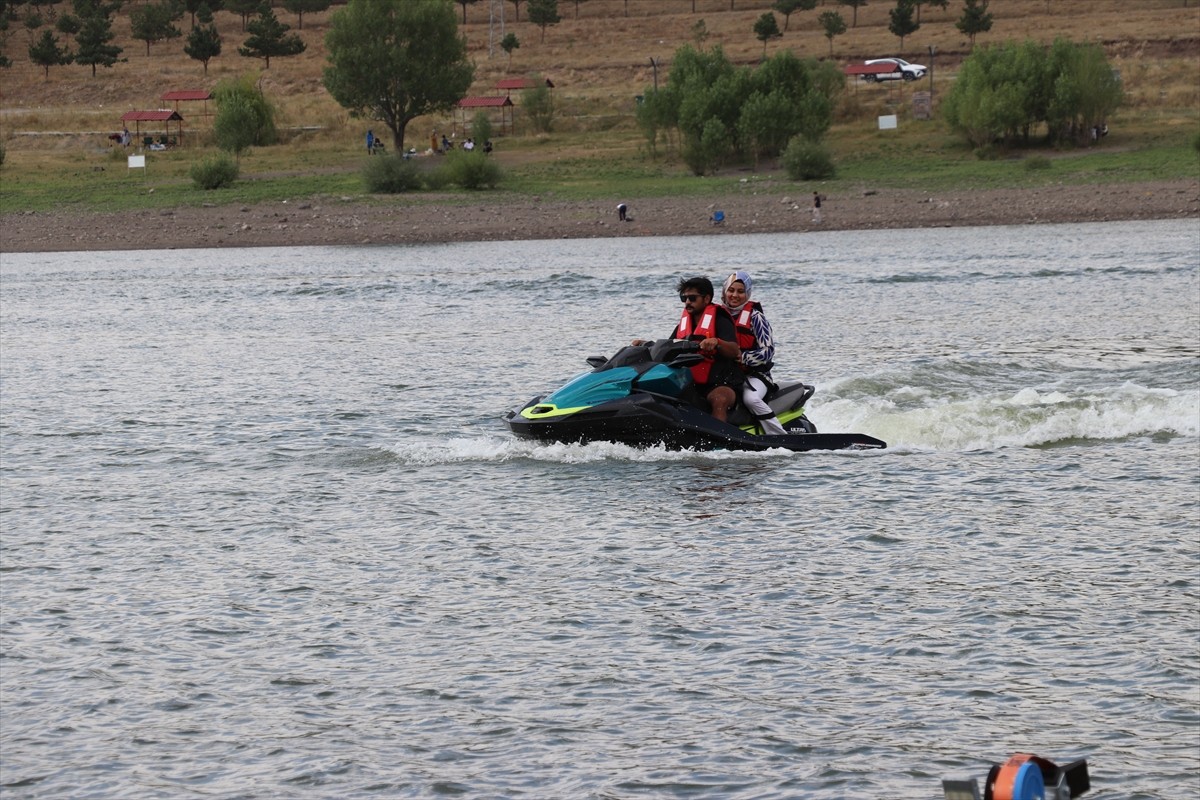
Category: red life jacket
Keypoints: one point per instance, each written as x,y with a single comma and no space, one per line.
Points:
706,329
745,330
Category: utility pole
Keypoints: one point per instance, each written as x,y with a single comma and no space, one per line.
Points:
493,38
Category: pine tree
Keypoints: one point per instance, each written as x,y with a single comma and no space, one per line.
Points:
204,42
46,53
93,40
302,7
268,38
902,23
975,19
543,13
154,22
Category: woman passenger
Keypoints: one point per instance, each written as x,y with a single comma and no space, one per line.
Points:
758,349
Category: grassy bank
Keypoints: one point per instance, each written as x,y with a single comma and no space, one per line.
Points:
53,128
919,156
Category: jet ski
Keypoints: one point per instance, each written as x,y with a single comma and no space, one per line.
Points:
642,396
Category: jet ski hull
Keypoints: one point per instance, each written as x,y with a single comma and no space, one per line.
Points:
648,421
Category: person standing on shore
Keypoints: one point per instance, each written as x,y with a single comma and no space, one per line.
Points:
370,143
816,208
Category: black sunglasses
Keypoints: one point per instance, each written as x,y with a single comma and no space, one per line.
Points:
688,298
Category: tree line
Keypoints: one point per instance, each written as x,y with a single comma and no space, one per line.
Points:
718,112
90,22
1008,93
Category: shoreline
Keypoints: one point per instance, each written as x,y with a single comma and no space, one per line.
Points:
760,209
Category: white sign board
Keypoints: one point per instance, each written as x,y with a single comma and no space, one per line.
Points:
887,123
137,162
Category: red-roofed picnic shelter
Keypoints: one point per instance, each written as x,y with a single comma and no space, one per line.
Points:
516,84
165,116
187,95
470,105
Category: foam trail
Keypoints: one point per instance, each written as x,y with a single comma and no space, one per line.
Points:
1028,417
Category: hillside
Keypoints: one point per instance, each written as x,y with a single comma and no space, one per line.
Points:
599,57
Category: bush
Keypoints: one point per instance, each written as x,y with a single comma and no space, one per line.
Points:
472,170
1034,163
214,172
391,174
481,128
807,161
1195,146
438,178
2,152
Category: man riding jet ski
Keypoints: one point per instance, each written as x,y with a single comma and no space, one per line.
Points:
643,396
658,393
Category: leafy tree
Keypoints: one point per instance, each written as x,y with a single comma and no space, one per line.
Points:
724,112
833,25
1002,93
46,53
855,5
464,4
538,104
975,19
543,13
396,60
268,37
902,23
93,40
481,127
302,7
766,28
203,44
517,6
1085,91
234,126
204,14
154,22
509,43
249,116
789,7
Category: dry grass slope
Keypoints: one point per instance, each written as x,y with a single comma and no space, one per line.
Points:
599,60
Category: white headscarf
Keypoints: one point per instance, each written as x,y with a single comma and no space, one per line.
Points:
744,277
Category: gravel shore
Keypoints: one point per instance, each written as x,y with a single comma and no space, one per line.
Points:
498,216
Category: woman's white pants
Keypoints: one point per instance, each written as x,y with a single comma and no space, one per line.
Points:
753,392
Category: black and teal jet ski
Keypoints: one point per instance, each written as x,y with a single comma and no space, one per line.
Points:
642,396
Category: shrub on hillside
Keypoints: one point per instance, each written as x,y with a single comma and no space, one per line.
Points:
391,174
214,172
472,170
1035,163
1195,146
807,161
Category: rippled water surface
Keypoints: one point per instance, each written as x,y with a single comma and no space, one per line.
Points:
264,533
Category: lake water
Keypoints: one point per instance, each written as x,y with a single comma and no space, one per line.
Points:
265,533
